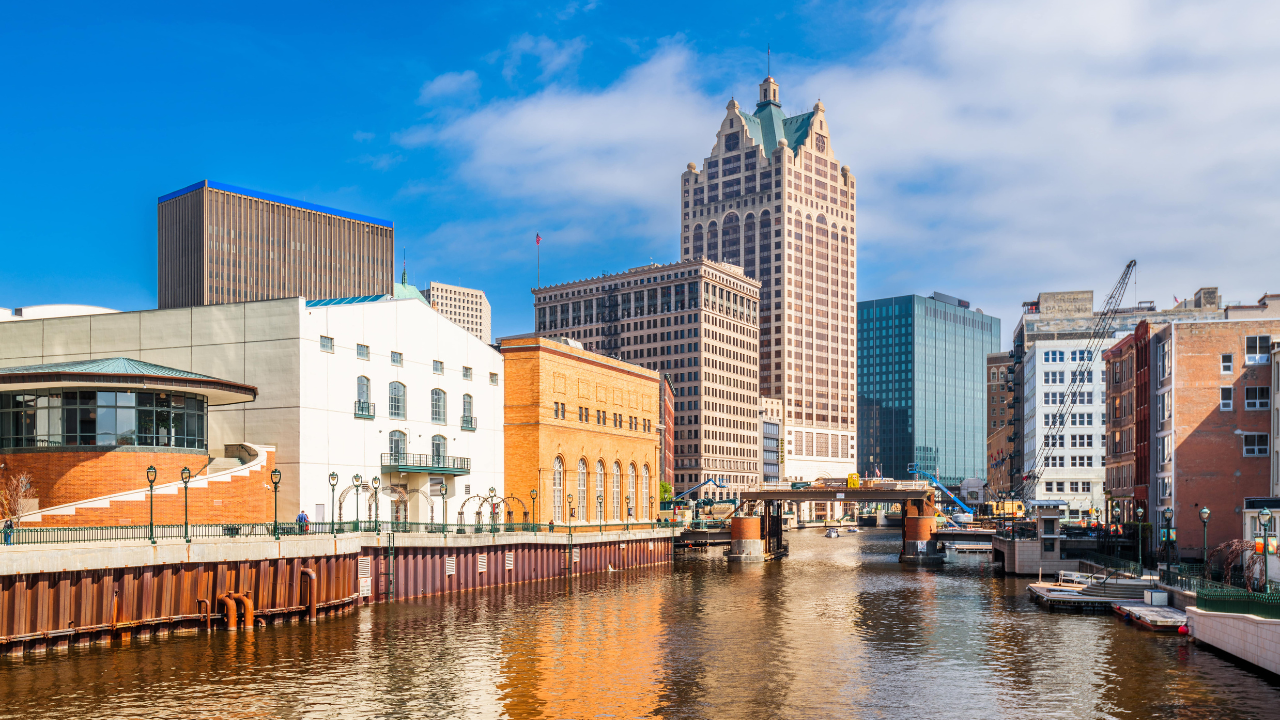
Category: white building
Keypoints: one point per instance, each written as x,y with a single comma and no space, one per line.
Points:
1073,429
374,386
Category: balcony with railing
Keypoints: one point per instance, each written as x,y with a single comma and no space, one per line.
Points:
469,423
441,464
365,410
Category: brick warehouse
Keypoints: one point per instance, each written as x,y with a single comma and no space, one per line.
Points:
1210,425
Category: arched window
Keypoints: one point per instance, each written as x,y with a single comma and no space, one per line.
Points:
396,444
713,236
599,490
397,404
557,490
822,219
362,389
631,490
615,497
439,407
582,487
644,492
439,447
468,406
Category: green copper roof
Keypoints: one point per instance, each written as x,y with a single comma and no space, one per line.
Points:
797,129
405,291
770,118
106,366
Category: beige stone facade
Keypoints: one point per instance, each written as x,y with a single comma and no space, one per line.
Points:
220,244
697,323
772,198
581,430
465,306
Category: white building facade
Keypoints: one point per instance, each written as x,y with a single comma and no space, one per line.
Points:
1073,429
371,386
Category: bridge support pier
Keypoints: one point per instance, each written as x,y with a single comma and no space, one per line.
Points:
919,530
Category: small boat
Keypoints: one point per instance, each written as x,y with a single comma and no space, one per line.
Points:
833,533
852,529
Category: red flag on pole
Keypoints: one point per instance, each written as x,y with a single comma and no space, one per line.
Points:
538,240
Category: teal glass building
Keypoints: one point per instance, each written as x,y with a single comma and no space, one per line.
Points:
922,366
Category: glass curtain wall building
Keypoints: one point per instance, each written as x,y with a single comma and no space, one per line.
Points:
921,386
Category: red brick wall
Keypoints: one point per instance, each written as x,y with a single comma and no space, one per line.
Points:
1209,463
64,477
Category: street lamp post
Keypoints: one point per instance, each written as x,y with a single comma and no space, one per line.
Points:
377,515
600,510
533,494
630,511
1265,517
151,483
1204,520
275,491
355,481
652,517
1168,535
1140,512
569,497
333,490
1115,520
444,507
186,517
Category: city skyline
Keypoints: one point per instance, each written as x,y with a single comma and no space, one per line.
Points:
427,146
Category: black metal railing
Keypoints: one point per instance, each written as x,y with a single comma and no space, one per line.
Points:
365,409
469,422
443,462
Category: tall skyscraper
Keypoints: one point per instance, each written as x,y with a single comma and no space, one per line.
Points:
696,322
772,199
219,243
922,386
466,307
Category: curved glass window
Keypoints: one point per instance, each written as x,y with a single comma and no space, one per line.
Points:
56,418
397,403
599,489
468,405
439,407
582,485
557,490
362,389
439,446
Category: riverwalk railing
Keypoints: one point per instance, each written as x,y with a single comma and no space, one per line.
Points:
1110,562
1237,600
122,533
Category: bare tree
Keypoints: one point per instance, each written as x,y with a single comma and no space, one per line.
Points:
13,490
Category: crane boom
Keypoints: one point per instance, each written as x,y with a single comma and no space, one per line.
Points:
1058,421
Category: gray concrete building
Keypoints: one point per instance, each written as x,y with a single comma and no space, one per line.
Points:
218,243
465,306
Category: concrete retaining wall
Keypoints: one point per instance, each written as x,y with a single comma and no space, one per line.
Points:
1248,637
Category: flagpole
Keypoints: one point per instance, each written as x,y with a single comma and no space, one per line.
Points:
539,264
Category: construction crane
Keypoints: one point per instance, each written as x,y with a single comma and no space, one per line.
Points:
1081,377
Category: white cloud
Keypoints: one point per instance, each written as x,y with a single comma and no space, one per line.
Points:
448,85
554,58
360,136
1001,148
384,161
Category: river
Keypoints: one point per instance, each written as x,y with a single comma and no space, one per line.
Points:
837,630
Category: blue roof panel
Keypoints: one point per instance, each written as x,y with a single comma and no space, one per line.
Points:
346,300
275,199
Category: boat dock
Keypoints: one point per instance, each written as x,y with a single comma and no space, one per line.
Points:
1160,618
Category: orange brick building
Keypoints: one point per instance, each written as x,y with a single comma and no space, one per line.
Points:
582,425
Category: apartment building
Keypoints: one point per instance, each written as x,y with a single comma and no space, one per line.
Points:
1070,316
1001,445
772,198
1211,425
771,439
696,321
467,307
218,243
1128,377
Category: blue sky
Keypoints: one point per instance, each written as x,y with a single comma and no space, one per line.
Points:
1001,148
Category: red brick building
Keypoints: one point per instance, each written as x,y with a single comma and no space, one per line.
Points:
1128,459
1210,425
1001,429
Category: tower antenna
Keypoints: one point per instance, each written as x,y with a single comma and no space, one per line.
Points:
768,53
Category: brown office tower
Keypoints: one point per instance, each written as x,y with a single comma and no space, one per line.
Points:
219,244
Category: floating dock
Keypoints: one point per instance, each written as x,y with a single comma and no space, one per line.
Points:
1160,618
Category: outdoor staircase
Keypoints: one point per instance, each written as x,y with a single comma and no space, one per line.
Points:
230,490
1117,590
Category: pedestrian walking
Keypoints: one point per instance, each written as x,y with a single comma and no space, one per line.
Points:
303,522
8,531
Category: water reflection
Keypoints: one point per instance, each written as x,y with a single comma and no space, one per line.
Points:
838,630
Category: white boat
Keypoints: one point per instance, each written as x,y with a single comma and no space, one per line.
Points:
833,533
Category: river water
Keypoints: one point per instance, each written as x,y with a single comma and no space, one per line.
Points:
837,630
